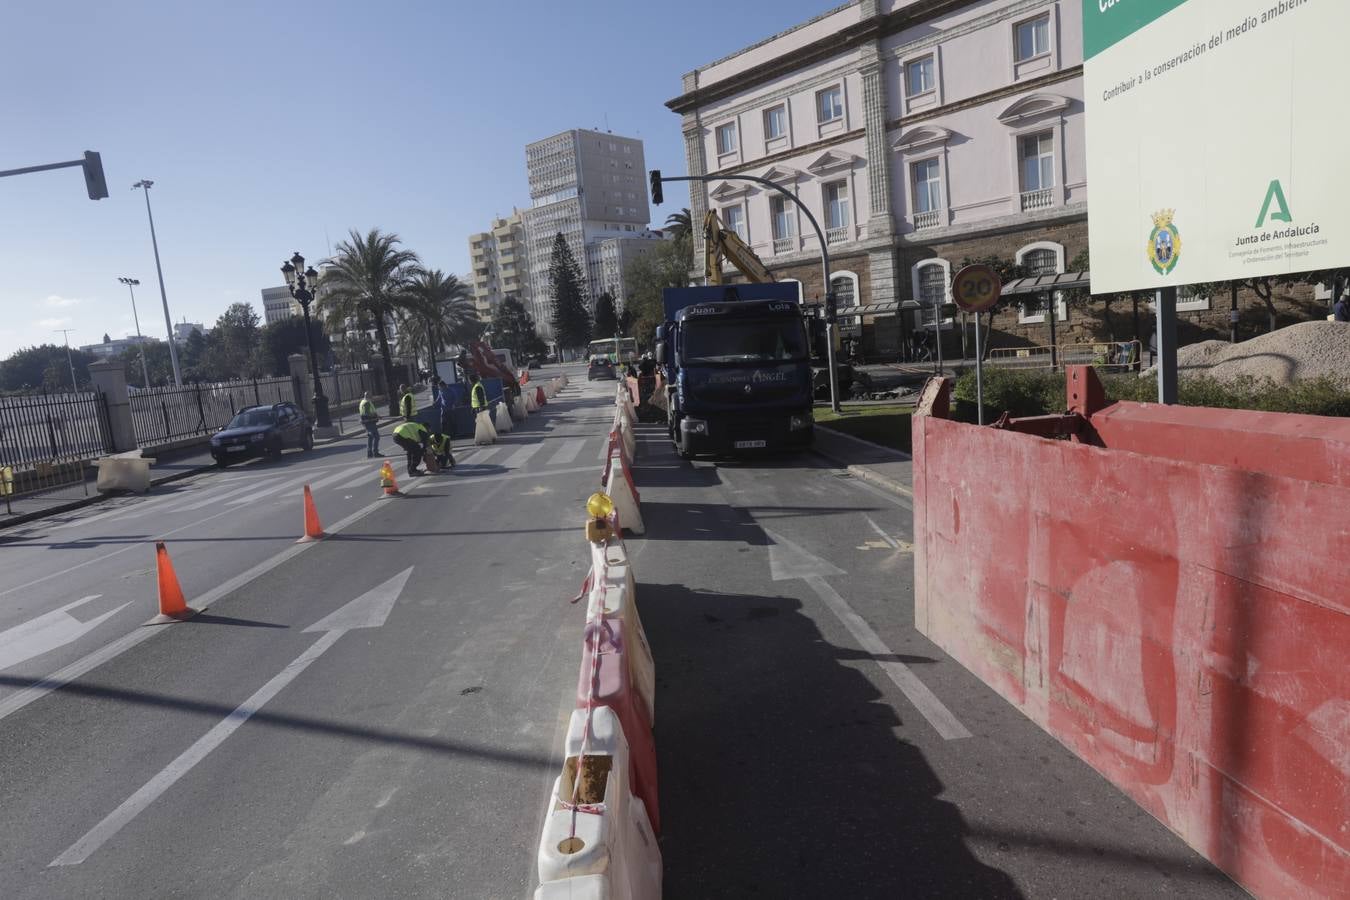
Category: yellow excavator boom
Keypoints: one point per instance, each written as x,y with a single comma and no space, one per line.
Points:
721,243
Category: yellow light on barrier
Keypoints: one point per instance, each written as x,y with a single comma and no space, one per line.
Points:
599,506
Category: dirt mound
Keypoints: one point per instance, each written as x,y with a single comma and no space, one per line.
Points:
1299,352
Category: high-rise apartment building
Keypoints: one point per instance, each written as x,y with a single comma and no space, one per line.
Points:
500,265
589,186
278,304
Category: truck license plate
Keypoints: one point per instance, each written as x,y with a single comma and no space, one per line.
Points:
749,445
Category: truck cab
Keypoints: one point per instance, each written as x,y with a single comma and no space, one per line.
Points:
737,360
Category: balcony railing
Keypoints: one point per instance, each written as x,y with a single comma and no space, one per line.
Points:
836,235
926,220
1042,199
784,244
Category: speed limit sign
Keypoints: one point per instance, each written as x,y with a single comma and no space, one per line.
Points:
976,288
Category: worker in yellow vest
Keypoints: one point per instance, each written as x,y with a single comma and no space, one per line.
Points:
370,420
440,445
406,407
477,394
412,437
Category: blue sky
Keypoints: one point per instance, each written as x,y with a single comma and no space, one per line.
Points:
272,127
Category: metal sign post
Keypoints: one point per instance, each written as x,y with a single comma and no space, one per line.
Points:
976,289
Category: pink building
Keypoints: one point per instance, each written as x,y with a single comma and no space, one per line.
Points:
919,132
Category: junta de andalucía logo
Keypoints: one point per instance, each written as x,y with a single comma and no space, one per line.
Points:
1164,242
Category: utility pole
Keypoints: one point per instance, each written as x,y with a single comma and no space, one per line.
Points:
145,184
131,284
74,385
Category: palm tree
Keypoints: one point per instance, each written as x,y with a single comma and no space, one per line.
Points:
368,280
681,224
443,312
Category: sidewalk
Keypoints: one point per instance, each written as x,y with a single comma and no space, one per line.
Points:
886,468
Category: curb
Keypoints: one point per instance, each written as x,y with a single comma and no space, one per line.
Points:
866,473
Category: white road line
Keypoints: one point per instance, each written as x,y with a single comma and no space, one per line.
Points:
522,456
370,476
267,492
486,453
337,476
58,679
152,789
194,500
234,491
884,536
924,700
567,452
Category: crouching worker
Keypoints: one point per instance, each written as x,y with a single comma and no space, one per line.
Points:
412,437
440,445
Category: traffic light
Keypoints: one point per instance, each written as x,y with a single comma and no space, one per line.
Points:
94,181
657,199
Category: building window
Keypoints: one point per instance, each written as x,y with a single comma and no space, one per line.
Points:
927,186
1041,262
829,105
782,218
1043,258
931,292
1037,152
919,76
726,138
845,287
836,204
775,122
734,217
1033,38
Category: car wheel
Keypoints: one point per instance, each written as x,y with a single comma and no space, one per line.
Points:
307,442
220,462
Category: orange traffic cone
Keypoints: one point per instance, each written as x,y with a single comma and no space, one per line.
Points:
172,606
387,480
313,530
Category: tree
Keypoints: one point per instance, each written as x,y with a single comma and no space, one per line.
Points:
43,366
606,319
367,280
681,224
571,313
442,313
513,329
667,266
286,336
191,355
231,349
626,318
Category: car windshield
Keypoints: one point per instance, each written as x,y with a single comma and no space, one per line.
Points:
253,418
736,342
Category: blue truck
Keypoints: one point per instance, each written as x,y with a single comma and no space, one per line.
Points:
737,361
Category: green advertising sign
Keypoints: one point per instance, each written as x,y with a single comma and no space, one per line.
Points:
1107,21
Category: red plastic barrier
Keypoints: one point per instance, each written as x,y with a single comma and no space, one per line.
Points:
615,689
539,396
1181,626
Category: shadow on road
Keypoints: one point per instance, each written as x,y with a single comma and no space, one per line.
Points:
781,775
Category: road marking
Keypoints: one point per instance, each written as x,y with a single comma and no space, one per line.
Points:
522,456
47,632
486,453
918,694
336,476
58,679
232,492
788,560
466,479
567,452
370,610
884,536
267,492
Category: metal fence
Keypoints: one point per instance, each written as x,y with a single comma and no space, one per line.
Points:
344,389
161,415
1114,356
44,428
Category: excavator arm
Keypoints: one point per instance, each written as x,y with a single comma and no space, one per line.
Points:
721,243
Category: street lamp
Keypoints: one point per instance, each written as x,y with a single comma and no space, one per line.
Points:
145,184
131,284
300,282
74,386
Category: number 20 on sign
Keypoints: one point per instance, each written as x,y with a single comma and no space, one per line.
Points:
976,288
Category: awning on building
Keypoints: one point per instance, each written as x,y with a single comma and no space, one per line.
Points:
1065,281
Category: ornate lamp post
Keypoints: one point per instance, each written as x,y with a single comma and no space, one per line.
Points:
300,281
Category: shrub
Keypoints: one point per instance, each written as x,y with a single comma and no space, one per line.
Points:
1036,393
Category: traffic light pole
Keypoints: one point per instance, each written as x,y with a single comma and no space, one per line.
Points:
657,179
92,163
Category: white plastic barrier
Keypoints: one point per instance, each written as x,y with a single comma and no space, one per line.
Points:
562,379
587,887
607,834
619,487
518,409
483,432
503,422
613,594
625,429
530,405
123,472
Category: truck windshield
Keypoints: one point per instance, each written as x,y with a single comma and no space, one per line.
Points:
742,342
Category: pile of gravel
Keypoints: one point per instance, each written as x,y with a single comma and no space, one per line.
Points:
1303,351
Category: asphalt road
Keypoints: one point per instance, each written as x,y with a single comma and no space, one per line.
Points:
379,714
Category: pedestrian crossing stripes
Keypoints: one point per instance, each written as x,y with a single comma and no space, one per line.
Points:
567,451
522,455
